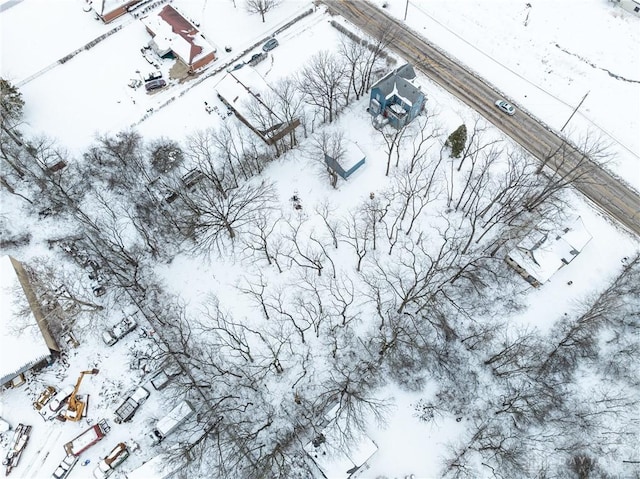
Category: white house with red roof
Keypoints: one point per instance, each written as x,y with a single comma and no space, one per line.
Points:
173,34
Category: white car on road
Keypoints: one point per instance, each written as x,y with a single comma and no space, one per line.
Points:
506,107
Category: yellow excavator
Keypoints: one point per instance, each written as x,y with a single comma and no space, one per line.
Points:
76,407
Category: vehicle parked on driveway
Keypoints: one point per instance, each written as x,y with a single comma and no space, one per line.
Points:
506,107
153,76
257,58
155,84
270,45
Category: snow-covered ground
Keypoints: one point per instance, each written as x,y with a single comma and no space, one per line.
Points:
545,58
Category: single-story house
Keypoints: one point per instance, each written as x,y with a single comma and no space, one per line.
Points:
238,89
632,6
352,159
25,340
175,36
396,99
334,458
540,254
109,10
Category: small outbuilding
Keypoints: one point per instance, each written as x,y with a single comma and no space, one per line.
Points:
352,159
25,340
540,254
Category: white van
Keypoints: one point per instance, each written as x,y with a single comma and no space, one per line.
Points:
177,416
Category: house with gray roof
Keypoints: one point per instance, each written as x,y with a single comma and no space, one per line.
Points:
396,99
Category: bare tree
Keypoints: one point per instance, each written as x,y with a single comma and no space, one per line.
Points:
260,237
329,149
62,295
392,138
261,6
212,216
325,210
202,150
355,233
323,83
362,59
308,255
569,166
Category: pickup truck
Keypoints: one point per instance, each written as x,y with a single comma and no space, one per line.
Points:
128,408
119,330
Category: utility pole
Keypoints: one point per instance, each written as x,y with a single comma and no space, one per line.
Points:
574,111
406,9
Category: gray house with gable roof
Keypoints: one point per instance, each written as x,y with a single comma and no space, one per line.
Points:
395,99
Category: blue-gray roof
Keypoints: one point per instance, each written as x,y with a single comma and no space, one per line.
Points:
399,81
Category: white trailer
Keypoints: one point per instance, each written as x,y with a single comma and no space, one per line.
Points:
165,426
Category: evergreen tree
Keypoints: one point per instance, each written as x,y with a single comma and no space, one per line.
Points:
11,103
457,140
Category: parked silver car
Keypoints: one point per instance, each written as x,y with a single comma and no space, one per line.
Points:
155,84
506,107
270,45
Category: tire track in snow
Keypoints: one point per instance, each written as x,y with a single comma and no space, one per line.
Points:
593,65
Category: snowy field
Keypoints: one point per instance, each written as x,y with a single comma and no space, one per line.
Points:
544,57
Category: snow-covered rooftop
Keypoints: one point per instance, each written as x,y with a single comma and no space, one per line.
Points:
399,82
106,6
21,342
542,254
173,32
352,155
240,87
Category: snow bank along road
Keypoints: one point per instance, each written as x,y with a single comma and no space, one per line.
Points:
613,196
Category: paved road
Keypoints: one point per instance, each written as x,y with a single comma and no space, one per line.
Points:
611,195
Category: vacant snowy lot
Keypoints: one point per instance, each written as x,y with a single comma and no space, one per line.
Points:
283,290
